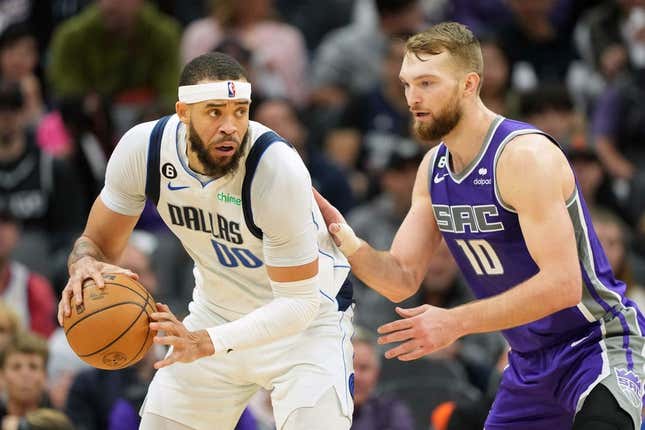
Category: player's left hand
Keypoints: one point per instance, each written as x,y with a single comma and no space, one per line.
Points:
186,345
422,330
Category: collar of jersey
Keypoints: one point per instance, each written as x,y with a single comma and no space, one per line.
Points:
458,178
180,144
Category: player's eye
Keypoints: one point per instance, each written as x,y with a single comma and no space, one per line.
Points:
214,113
240,112
425,84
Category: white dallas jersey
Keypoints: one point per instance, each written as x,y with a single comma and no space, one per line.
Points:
263,213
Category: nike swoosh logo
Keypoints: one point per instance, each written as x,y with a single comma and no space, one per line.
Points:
438,178
178,187
577,342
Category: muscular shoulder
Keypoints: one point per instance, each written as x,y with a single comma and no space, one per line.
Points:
530,154
529,163
280,165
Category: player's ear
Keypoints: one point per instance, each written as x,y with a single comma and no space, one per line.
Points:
182,112
471,83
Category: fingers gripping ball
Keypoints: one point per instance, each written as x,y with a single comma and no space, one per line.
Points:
110,329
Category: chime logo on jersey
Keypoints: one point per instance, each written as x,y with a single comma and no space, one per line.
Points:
478,219
231,89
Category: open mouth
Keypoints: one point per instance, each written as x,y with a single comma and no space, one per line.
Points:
225,149
421,114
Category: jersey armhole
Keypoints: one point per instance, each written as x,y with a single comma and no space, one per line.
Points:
498,153
154,159
251,164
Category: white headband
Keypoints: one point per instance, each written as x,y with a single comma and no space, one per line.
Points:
221,90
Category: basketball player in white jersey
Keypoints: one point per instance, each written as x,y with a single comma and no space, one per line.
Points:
271,304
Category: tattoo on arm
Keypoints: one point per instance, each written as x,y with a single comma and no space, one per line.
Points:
84,247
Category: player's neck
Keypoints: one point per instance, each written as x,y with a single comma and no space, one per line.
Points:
466,139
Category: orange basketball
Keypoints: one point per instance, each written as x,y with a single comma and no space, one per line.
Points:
110,329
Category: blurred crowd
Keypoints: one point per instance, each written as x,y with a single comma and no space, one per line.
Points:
76,74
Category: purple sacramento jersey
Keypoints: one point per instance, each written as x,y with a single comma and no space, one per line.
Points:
485,238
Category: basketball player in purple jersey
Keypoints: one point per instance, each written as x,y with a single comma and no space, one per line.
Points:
504,198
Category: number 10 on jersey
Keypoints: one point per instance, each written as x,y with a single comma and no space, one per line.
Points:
481,256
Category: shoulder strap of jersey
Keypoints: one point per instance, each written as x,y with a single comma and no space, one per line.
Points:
252,160
154,157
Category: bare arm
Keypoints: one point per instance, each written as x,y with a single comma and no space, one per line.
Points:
101,243
397,274
536,180
105,236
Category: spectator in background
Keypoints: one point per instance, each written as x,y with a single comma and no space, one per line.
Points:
42,419
371,411
377,222
18,62
313,18
22,365
617,125
618,133
594,183
13,11
373,121
123,50
283,117
539,50
279,60
496,91
614,237
550,109
349,60
482,17
36,189
28,293
601,37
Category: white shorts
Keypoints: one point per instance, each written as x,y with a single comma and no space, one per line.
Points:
213,391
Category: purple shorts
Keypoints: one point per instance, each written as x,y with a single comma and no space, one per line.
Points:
545,389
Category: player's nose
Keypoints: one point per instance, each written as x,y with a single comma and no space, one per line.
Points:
413,98
228,125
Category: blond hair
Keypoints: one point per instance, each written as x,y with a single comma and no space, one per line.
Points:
453,38
48,419
25,342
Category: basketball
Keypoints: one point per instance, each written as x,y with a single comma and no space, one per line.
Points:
110,329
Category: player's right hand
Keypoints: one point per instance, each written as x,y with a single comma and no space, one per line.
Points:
85,269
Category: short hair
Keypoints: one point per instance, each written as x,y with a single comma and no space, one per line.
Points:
47,419
451,37
392,7
546,97
25,343
213,66
14,33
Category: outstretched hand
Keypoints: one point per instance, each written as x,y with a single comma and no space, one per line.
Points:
422,330
186,345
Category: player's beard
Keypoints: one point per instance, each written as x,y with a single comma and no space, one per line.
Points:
215,167
442,124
